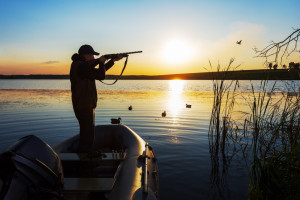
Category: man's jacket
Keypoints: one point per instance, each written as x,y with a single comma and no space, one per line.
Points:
82,76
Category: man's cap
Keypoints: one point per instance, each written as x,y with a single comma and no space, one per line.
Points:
87,49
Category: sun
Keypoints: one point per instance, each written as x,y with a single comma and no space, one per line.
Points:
177,51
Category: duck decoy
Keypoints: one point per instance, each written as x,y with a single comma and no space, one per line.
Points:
130,108
163,114
115,121
188,105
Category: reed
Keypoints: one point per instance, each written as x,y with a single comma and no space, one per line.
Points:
270,143
220,126
275,166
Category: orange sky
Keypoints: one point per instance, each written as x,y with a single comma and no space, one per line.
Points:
175,37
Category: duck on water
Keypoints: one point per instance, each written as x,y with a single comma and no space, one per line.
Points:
121,165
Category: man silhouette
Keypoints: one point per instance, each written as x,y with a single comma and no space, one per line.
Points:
84,92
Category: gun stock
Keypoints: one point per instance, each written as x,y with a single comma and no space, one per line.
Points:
125,54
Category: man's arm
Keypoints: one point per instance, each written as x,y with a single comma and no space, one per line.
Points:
87,70
109,64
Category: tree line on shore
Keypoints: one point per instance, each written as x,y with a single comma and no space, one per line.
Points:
292,65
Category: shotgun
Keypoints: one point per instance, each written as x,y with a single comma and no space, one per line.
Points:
126,54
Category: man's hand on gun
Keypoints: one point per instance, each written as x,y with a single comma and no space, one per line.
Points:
115,58
118,57
102,59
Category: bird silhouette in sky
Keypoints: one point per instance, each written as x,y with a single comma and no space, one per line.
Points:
239,42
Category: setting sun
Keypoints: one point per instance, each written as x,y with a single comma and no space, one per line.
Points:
177,51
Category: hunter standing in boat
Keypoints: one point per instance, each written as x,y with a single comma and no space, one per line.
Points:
84,92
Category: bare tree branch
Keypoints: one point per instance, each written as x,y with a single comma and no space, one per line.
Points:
279,50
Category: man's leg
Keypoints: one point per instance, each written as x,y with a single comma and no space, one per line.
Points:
86,119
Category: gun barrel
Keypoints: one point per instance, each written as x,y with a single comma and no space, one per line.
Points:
132,52
124,54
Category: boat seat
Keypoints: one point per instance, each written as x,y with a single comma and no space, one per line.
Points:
88,184
86,166
87,157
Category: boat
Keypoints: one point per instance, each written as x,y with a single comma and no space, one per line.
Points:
120,166
125,168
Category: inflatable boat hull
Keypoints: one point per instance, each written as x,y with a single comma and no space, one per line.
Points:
136,170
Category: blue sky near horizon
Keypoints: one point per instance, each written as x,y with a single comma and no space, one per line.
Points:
36,32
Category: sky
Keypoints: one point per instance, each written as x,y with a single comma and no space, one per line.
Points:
39,37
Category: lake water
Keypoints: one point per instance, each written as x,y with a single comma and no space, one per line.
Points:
180,140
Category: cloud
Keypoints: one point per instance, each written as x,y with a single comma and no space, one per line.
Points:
250,34
224,48
51,62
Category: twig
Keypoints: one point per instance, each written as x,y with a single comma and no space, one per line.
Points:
280,49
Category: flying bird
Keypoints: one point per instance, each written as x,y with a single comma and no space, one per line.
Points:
239,42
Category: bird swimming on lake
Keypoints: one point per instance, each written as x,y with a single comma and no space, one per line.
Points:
188,105
115,121
163,114
239,42
130,108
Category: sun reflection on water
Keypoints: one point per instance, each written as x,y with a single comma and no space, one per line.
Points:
175,101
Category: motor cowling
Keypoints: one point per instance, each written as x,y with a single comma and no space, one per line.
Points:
30,169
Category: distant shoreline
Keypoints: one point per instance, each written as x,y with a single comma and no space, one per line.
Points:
279,74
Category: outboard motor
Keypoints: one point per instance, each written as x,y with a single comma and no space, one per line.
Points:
30,169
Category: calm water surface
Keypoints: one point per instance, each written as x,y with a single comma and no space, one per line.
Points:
180,141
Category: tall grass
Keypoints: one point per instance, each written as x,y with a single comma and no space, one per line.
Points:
271,131
218,137
275,169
